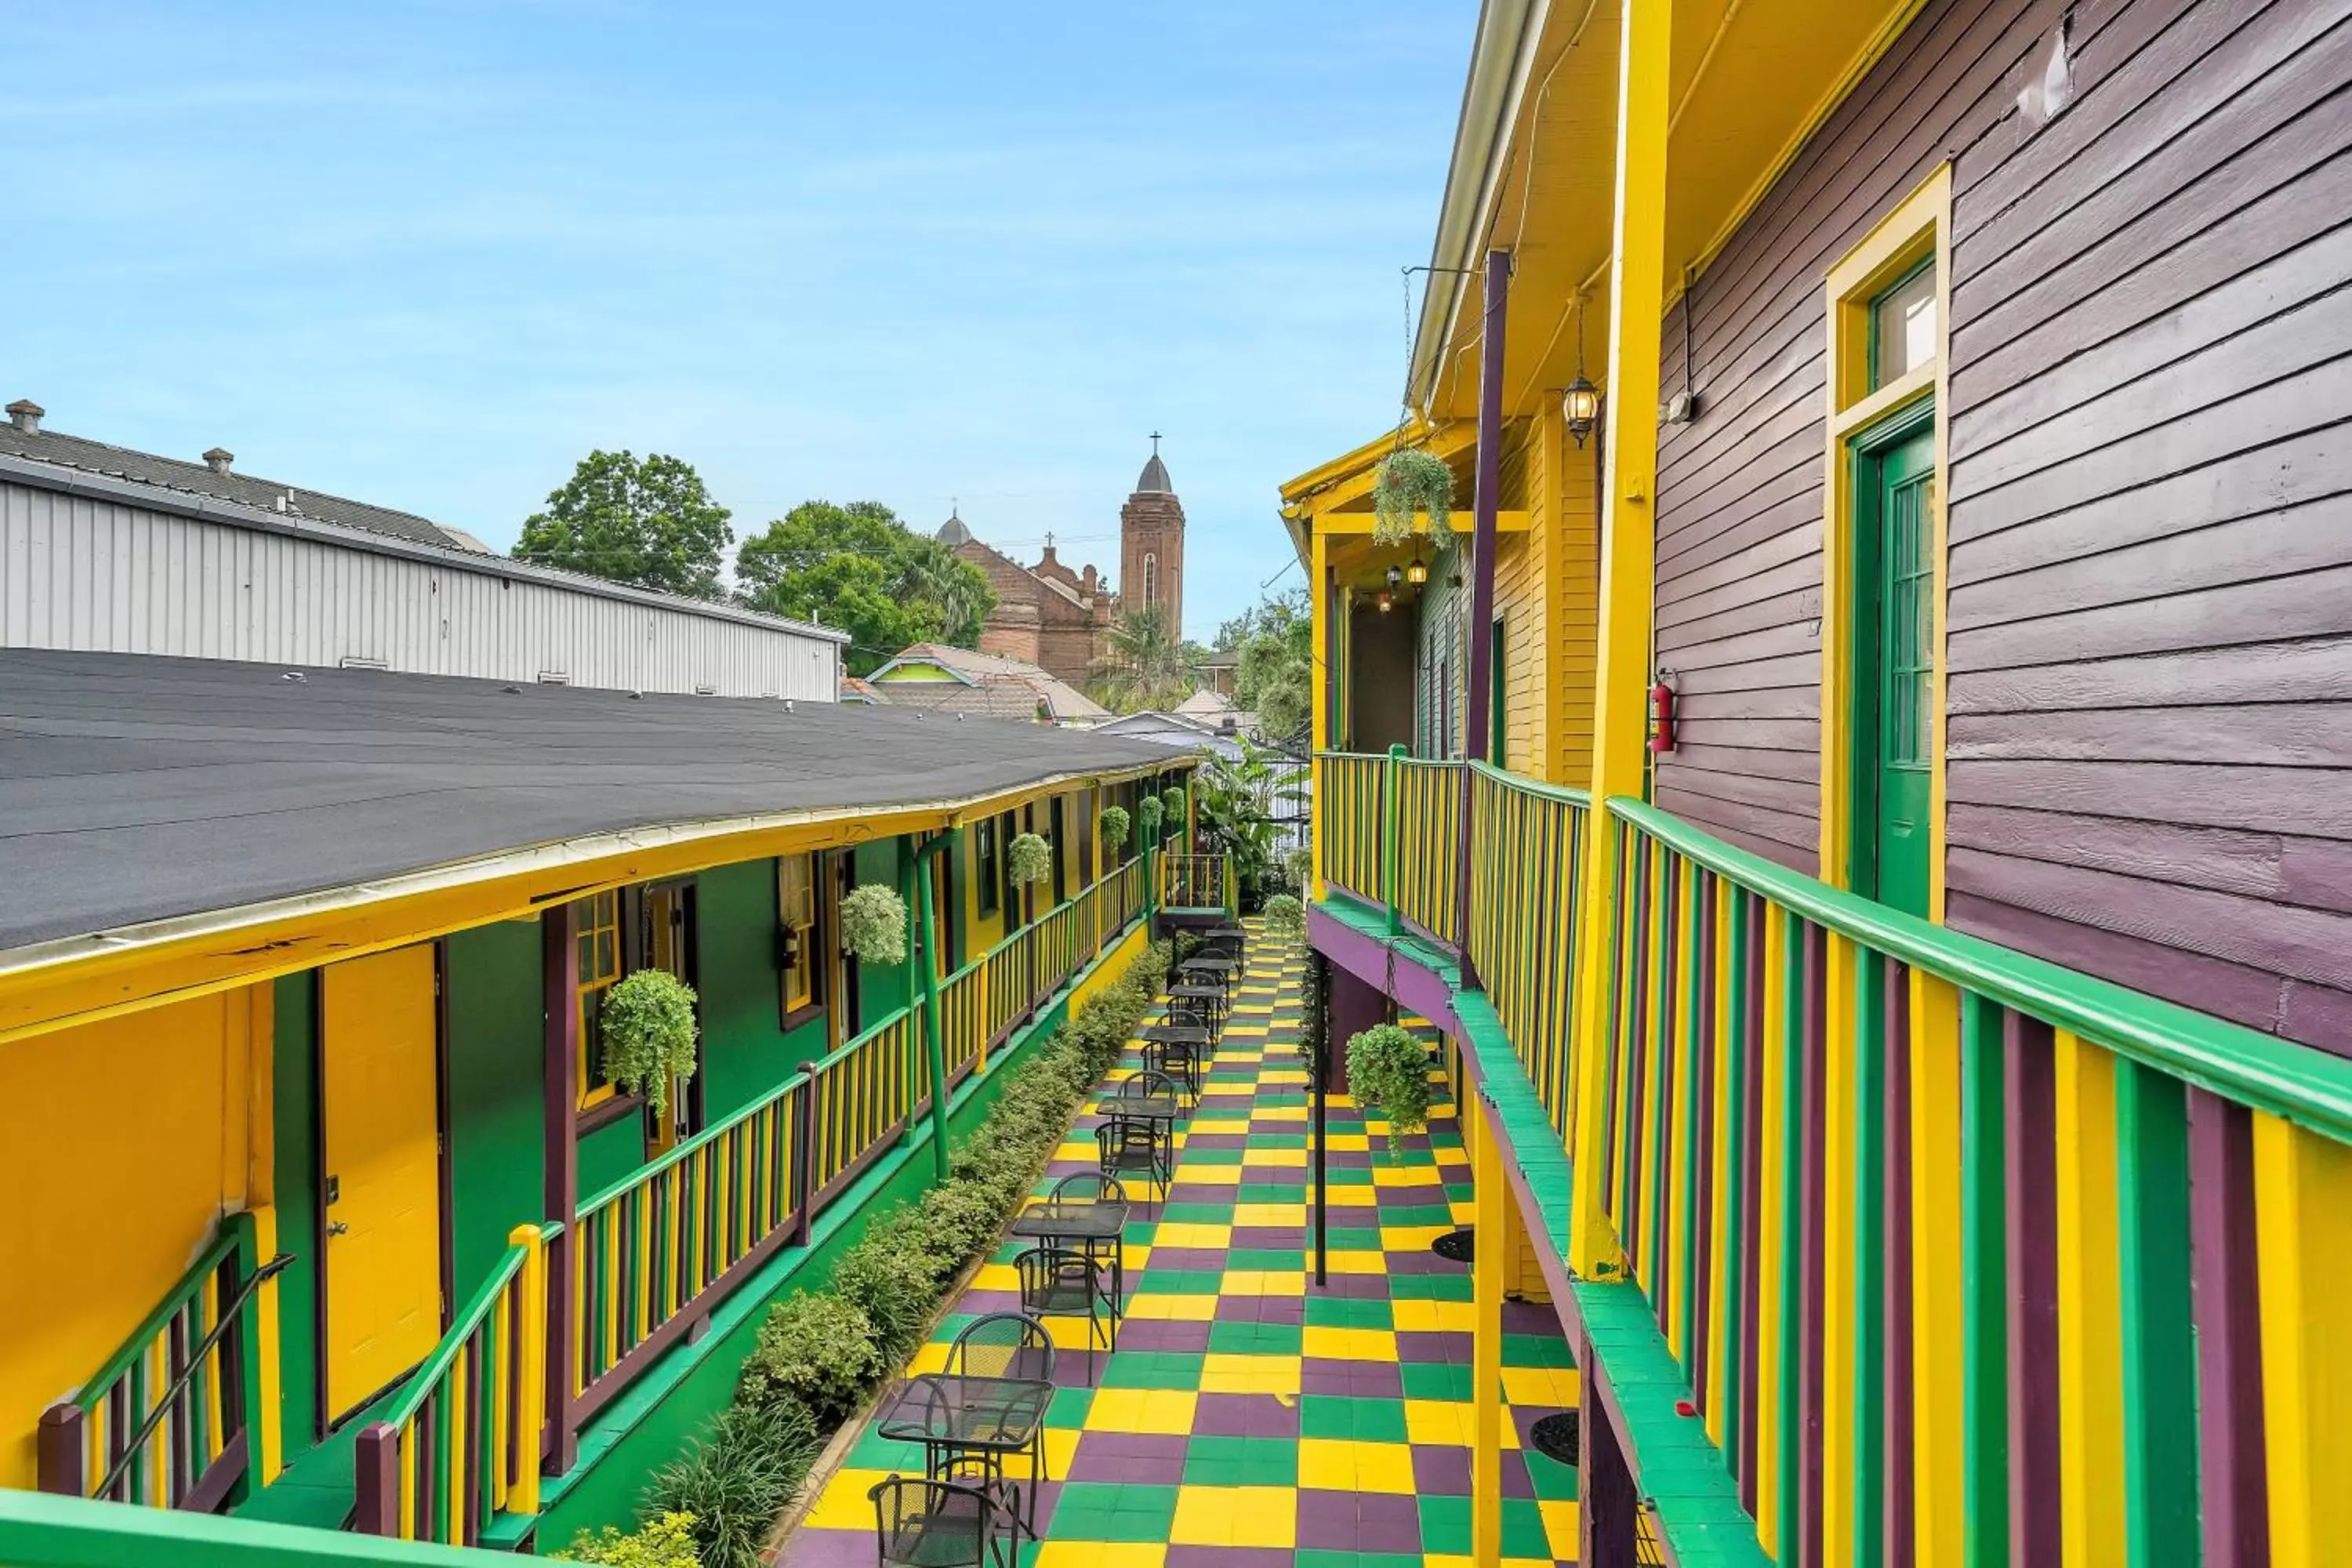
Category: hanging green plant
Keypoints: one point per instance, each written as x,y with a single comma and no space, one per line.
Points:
649,1025
1285,918
1389,1068
873,924
1115,826
1171,800
1032,858
1148,809
1411,481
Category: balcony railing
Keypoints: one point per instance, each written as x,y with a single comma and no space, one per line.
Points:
1935,1229
655,1252
461,1443
164,1420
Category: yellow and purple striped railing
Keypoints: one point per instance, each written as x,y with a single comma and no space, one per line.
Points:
1969,1257
650,1249
1528,843
461,1443
859,1099
163,1422
1351,806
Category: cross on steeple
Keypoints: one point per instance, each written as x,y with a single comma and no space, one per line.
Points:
1155,443
1049,539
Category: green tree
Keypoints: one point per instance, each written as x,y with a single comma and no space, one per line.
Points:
647,522
1144,667
859,569
1275,676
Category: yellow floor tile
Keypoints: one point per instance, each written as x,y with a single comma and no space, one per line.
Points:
1434,1317
1235,1516
1340,1464
1353,1262
1162,1410
1263,1283
1173,1308
1270,1214
1177,1232
1102,1554
1561,1520
1352,1197
1350,1345
1275,1159
1225,1373
844,1504
1538,1385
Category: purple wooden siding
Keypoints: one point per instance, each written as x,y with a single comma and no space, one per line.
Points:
2151,726
2150,738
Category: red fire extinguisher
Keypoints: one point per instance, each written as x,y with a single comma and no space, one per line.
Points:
1661,713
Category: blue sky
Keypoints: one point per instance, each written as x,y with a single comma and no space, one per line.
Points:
429,255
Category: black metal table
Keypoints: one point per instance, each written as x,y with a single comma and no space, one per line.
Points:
1096,1224
953,1417
1209,998
1174,1034
1164,1108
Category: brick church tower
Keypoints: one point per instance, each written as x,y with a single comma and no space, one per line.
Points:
1151,546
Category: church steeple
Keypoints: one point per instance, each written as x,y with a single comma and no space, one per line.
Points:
1151,546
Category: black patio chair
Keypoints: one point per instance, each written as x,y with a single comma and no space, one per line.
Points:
1056,1283
1003,1345
1093,1187
1131,1146
930,1523
1178,1061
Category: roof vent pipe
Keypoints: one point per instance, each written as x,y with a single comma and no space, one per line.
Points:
25,416
218,459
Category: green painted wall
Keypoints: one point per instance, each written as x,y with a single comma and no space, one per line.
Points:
497,1089
744,1054
294,1088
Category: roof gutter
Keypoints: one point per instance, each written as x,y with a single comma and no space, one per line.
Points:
1501,61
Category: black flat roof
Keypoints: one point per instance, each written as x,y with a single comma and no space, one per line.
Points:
135,789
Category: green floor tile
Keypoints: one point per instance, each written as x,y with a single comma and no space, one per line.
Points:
1152,1369
1350,1312
1211,1461
1256,1339
1266,1257
1436,1379
1341,1415
1537,1350
1114,1511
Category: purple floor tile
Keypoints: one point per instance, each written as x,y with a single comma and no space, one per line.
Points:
1217,1140
1358,1521
1261,1309
1362,1379
1433,1347
1229,1557
1163,1334
1284,1237
1144,1458
829,1549
1350,1287
1531,1318
1211,1258
1421,1260
977,1302
1442,1471
1244,1415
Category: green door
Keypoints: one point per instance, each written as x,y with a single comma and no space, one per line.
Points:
1894,688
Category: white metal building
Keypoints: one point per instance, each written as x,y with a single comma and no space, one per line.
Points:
110,563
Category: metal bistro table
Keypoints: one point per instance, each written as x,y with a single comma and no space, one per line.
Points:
1094,1225
957,1416
1210,994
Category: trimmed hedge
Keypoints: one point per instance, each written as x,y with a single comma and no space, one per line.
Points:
821,1352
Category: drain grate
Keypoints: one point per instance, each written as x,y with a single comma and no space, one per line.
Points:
1457,1244
1559,1436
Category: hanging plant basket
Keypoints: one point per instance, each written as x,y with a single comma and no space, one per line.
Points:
1387,1068
1148,809
1116,827
1032,858
1411,481
873,924
1171,800
649,1027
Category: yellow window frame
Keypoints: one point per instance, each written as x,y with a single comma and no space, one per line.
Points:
1919,227
797,884
596,936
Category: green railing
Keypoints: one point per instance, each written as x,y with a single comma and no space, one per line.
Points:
860,1098
461,1444
1953,1244
1195,881
37,1531
164,1420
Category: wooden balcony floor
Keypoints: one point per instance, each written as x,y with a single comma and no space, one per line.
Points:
1251,1419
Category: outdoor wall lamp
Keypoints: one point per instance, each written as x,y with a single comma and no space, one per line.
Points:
1388,594
1416,573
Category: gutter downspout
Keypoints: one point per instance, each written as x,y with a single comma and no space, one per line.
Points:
927,976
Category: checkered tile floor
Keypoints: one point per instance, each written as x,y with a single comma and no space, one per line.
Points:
1250,1419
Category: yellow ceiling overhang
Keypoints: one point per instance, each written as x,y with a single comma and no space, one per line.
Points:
1752,81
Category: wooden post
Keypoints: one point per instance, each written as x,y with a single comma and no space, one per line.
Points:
63,1451
1628,559
560,970
1479,707
1390,780
1486,1335
1609,1523
934,1044
377,1512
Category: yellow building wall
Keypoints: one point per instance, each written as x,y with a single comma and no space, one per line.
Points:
139,1133
1547,588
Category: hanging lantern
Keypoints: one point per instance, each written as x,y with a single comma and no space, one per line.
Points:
1580,407
1416,573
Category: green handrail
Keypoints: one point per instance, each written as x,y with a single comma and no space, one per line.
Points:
2305,1086
40,1531
422,1382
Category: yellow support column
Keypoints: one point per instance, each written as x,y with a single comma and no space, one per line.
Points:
2302,1209
1628,559
1487,1338
1318,610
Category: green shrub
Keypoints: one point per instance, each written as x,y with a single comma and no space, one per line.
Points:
1285,918
892,1284
737,1477
1116,827
1389,1068
873,924
665,1540
648,1023
818,1349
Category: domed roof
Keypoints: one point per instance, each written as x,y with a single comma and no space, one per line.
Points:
1154,480
952,532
